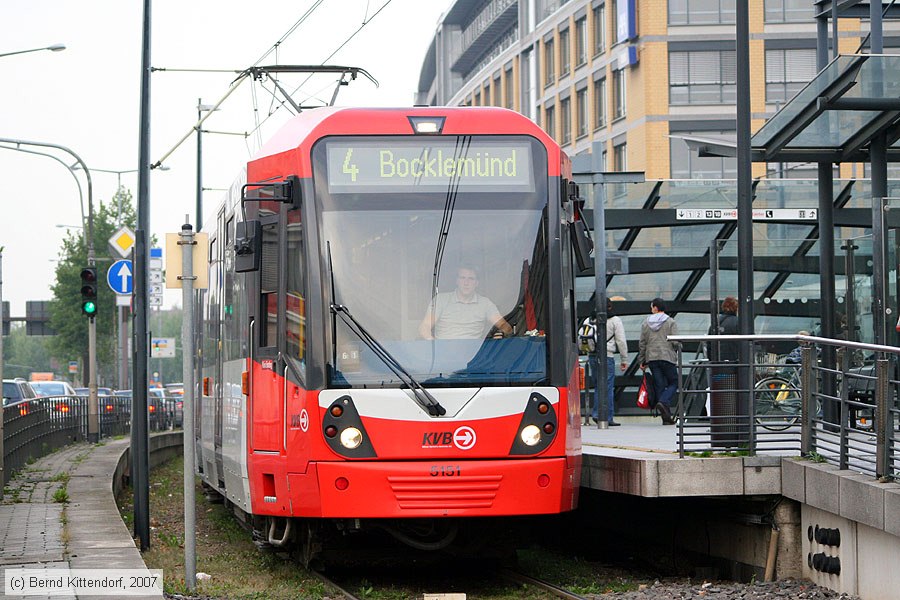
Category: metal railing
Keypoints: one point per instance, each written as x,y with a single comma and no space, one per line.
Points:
836,403
34,428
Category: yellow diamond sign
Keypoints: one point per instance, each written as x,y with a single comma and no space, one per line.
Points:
122,241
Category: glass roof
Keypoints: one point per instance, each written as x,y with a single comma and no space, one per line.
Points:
668,256
823,116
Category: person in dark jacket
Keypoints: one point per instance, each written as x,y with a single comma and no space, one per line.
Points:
729,351
657,352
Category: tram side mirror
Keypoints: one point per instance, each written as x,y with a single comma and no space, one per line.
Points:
582,245
288,191
247,246
581,237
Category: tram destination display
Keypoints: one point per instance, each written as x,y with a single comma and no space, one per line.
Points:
399,165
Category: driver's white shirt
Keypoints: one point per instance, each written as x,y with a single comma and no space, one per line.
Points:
457,318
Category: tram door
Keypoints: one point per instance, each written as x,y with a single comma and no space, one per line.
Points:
267,396
217,387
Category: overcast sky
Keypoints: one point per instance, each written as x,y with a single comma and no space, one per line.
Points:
87,99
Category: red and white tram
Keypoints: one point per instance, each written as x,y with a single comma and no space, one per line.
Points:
332,398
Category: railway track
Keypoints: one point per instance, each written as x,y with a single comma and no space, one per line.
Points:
334,586
506,574
544,585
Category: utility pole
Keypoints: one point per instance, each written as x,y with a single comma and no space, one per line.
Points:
187,362
140,468
198,216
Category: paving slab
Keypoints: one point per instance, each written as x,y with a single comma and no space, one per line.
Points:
32,533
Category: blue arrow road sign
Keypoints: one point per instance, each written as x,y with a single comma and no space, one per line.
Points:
119,277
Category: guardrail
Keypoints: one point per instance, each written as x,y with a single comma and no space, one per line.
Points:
36,427
838,403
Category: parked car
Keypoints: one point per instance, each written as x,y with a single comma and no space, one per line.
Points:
61,392
175,389
101,391
52,388
158,405
18,392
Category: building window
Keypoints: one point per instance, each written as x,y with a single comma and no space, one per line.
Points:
703,77
486,86
620,157
618,88
614,20
549,64
787,72
686,163
581,110
789,11
498,90
620,163
477,100
565,120
509,95
600,103
525,89
599,19
550,121
701,12
581,41
564,53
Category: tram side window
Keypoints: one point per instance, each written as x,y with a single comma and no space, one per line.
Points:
296,289
211,316
232,293
268,285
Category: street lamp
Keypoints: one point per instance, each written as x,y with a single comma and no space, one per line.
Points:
18,148
53,48
93,404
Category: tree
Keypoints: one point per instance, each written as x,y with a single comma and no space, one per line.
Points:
25,354
71,340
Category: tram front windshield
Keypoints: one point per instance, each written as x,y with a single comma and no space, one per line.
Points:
437,248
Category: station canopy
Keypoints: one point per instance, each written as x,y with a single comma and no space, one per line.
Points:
837,115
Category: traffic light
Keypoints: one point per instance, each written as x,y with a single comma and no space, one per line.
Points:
89,291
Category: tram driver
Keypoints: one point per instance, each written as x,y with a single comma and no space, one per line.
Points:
462,313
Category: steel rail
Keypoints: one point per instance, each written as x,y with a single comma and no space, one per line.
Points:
544,585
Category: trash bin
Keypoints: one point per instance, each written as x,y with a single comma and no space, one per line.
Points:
728,419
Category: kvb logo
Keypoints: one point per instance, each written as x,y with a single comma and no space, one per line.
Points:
464,438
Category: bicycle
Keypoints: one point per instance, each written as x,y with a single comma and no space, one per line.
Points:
778,400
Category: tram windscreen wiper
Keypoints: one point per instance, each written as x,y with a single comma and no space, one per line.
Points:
461,151
422,396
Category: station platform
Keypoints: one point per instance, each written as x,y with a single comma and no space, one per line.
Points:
640,458
39,531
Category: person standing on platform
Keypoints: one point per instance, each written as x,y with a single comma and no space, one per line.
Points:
615,340
728,325
659,354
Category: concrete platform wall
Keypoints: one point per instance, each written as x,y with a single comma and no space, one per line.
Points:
865,513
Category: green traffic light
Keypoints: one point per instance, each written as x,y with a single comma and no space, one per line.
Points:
89,308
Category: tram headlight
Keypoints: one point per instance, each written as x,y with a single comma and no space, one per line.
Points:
351,438
531,435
